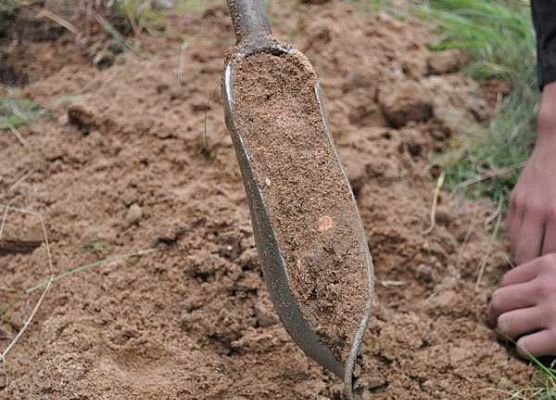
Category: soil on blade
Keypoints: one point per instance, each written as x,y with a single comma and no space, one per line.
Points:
137,156
309,200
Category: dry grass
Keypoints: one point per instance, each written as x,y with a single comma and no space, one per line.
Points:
437,190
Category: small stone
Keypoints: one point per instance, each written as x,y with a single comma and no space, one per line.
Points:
63,119
376,382
425,273
134,214
104,59
264,317
81,117
445,299
444,216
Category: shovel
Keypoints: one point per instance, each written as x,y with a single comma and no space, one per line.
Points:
300,245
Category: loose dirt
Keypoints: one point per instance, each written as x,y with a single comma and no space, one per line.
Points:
309,201
193,319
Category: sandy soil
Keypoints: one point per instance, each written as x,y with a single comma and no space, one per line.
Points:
307,195
136,156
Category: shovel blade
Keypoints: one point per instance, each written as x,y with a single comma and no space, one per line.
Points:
310,241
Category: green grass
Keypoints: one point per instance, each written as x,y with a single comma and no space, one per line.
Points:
542,387
16,112
498,37
141,15
94,247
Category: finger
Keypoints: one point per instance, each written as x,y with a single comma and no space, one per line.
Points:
513,223
538,344
549,244
518,322
529,240
522,273
510,298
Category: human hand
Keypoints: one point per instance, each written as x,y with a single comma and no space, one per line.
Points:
524,307
532,217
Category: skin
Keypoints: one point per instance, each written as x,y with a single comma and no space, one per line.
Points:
524,307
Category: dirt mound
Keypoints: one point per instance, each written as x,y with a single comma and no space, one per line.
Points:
192,320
